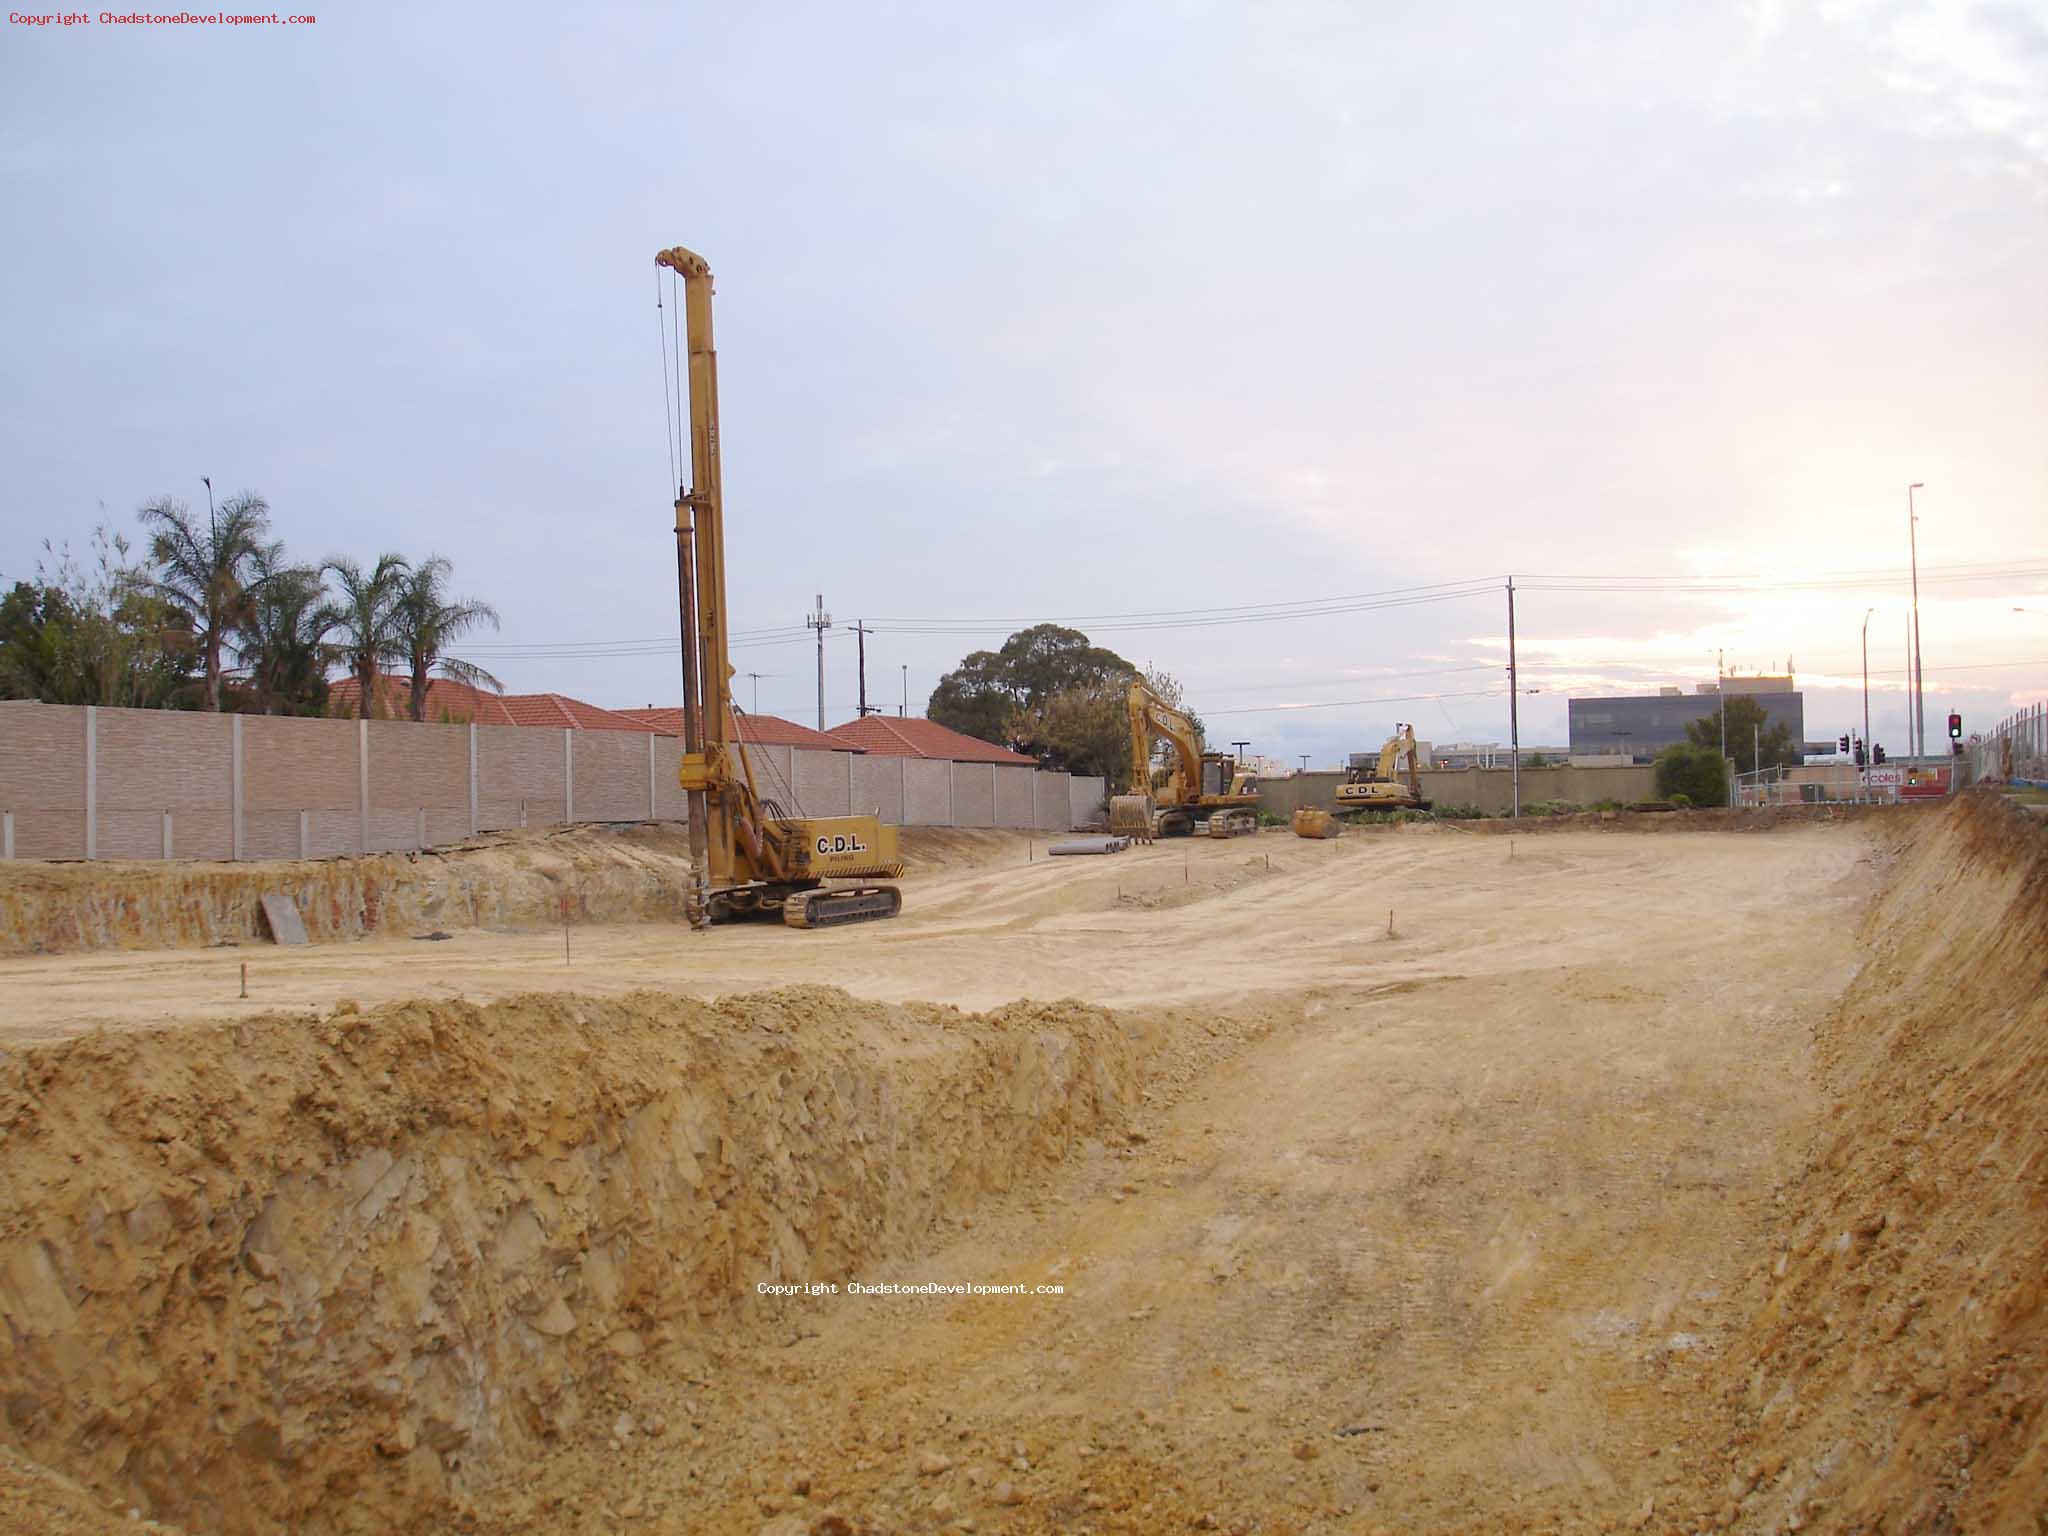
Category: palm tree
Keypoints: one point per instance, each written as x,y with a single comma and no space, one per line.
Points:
282,638
367,620
201,570
429,621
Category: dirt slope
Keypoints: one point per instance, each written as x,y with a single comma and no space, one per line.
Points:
313,1274
630,872
1896,1372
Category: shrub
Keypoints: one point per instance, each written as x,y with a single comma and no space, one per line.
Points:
1698,773
1682,800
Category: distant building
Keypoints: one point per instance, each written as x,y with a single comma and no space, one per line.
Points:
1639,726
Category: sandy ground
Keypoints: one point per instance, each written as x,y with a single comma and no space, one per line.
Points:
1192,920
1512,1184
1438,1253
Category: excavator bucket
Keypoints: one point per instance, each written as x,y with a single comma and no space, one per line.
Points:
1132,816
1312,821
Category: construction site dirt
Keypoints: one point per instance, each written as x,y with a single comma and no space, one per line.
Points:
1410,1180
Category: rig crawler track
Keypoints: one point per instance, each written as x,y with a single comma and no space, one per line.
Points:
828,909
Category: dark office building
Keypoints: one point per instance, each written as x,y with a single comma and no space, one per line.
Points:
1642,725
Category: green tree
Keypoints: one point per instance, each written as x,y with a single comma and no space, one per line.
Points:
1083,729
202,569
1751,736
92,633
282,640
1685,768
367,621
995,695
429,621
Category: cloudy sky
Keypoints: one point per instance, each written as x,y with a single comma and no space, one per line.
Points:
1262,342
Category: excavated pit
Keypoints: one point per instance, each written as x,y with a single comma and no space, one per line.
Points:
316,1274
376,1271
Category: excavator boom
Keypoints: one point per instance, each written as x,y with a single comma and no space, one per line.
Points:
1209,784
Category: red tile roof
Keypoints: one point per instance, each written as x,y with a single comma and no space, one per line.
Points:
458,703
762,730
896,736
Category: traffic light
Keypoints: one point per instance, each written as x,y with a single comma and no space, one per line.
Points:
1842,743
1859,752
1955,726
1877,753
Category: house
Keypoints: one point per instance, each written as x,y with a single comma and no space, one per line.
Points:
900,736
453,703
754,730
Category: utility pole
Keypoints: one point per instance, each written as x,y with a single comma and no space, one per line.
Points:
1866,694
821,621
1514,706
1913,550
755,678
861,629
903,709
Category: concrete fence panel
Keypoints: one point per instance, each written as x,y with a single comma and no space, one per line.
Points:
822,787
974,794
1087,799
611,775
927,793
419,784
42,779
1015,801
1052,793
774,771
152,761
292,766
877,786
670,803
522,779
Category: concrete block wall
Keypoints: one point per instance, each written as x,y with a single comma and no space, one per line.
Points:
1491,789
80,783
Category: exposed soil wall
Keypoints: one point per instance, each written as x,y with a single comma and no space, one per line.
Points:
1893,1377
314,1274
626,873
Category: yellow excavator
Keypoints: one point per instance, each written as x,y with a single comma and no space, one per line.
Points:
1390,782
749,856
1210,790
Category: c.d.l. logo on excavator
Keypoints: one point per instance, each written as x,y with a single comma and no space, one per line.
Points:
841,843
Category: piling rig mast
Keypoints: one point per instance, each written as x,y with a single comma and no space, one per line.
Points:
749,855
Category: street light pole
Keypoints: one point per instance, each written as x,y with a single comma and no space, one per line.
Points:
1866,695
1514,708
1721,694
1913,550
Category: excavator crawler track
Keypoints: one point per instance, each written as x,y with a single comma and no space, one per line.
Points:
829,909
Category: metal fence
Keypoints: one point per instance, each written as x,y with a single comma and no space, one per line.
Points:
1846,784
2015,751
